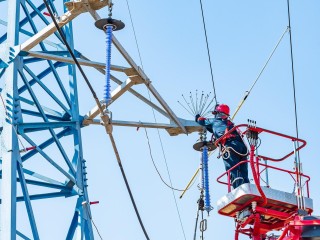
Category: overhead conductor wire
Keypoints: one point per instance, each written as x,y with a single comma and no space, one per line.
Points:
208,51
175,200
101,112
296,144
292,70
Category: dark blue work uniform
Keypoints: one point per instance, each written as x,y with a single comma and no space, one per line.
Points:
235,149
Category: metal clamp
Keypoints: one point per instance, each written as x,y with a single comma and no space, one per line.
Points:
203,225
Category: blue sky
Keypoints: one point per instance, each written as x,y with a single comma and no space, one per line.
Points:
241,36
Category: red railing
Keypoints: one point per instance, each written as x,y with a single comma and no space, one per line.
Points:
254,160
228,183
260,130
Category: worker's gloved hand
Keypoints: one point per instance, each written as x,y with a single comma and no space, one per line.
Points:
196,117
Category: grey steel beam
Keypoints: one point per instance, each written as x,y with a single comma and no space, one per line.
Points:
131,124
70,60
75,9
148,83
139,72
95,111
48,30
125,86
172,129
166,107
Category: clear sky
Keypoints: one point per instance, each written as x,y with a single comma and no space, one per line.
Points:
171,40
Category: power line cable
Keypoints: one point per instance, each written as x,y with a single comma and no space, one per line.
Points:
208,51
154,116
292,70
101,111
298,166
155,166
134,33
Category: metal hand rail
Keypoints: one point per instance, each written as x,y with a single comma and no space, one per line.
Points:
260,130
260,164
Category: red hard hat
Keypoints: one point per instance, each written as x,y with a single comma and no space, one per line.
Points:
222,108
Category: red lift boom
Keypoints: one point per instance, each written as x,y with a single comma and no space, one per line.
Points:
259,210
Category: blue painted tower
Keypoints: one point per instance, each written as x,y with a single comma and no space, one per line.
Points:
41,150
40,121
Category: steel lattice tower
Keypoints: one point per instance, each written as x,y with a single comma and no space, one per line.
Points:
40,119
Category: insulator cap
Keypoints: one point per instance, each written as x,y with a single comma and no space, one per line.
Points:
103,23
199,146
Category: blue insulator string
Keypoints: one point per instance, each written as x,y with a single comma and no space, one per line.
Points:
205,178
202,175
107,90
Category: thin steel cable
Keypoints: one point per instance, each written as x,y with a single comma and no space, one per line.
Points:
134,33
72,54
127,186
293,78
155,166
196,224
101,111
91,219
298,162
175,200
169,175
96,228
208,51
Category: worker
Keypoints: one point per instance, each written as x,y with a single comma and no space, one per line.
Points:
233,149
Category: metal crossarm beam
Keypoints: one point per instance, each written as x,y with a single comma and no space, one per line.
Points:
139,72
47,195
95,111
23,22
48,30
166,107
120,90
148,83
172,129
75,9
123,88
132,124
58,58
38,107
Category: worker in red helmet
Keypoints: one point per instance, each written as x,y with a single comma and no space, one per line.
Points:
233,148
